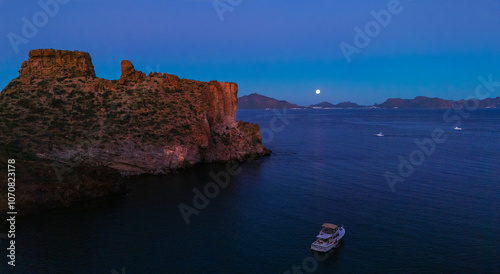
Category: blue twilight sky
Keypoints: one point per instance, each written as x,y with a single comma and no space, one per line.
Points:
285,49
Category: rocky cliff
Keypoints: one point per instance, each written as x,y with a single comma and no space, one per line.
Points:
48,63
57,110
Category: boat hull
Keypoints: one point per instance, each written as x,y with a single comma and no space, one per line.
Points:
321,248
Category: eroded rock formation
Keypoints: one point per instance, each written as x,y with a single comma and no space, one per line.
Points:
130,74
48,63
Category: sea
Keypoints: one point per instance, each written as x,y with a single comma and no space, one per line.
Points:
424,198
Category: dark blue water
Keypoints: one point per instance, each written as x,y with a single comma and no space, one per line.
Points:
326,166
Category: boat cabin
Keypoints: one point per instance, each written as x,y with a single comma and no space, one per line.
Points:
327,234
328,229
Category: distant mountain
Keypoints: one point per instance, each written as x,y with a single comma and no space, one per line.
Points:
418,102
486,103
323,105
348,105
339,105
426,102
257,101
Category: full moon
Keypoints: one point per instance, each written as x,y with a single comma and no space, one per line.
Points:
318,91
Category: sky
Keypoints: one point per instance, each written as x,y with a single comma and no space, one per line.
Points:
358,51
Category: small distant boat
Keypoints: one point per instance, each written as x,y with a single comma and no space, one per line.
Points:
329,237
458,128
380,134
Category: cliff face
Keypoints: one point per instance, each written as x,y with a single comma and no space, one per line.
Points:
59,111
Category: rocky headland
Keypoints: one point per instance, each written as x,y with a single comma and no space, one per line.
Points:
66,126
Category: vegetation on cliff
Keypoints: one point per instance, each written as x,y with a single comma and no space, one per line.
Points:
58,114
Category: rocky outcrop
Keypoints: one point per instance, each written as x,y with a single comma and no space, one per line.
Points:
130,74
59,111
48,63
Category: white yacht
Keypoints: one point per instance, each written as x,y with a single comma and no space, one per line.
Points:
329,237
380,134
458,128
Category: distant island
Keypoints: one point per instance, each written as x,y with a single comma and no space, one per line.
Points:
339,105
257,101
426,102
